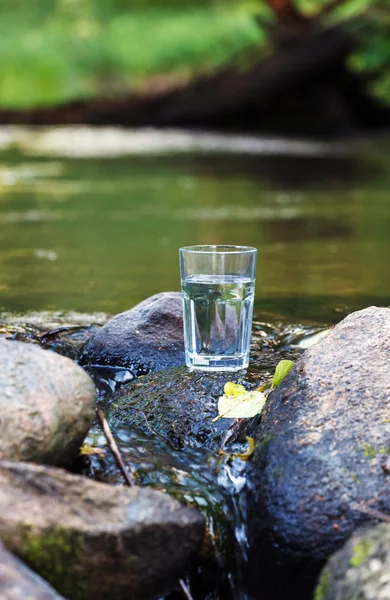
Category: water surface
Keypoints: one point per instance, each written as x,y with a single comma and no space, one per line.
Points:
98,230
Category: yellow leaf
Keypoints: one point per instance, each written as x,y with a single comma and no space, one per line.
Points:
88,450
242,406
243,455
233,389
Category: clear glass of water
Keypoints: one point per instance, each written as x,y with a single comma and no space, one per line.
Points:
218,286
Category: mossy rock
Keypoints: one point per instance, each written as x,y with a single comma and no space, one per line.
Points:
91,540
360,570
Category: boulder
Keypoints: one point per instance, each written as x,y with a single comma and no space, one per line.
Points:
18,582
46,404
92,540
319,461
361,569
148,337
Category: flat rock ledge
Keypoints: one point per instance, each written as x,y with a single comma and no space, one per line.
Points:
18,582
323,444
46,405
361,569
92,540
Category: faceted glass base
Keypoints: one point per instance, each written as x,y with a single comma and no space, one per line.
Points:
204,362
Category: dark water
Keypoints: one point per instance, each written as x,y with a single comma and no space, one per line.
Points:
100,234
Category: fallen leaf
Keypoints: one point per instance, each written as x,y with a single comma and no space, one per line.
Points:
241,406
282,369
243,455
265,387
233,389
88,450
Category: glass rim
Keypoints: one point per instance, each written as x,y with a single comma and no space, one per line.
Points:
218,249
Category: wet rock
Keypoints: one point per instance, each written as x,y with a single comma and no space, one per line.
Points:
177,404
65,333
148,337
92,540
319,457
46,405
67,341
361,569
18,582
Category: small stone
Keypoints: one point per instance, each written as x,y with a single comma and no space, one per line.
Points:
46,405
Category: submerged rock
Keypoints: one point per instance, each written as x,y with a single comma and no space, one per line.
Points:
361,569
319,458
148,337
46,405
18,582
92,540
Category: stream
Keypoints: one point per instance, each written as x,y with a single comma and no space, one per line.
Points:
91,222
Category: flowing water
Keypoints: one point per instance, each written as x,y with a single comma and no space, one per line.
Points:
91,222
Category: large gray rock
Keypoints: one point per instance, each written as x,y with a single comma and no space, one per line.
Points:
321,443
148,337
360,570
92,540
46,404
18,582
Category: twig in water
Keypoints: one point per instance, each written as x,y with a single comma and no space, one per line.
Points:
153,431
53,332
162,438
185,590
113,446
376,514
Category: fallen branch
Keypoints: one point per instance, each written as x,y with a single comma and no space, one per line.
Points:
113,447
376,514
53,332
185,590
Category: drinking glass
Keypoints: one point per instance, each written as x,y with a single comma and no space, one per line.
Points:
218,285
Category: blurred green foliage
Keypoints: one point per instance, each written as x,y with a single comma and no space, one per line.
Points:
52,51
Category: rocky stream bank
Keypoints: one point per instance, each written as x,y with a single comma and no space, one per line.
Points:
228,528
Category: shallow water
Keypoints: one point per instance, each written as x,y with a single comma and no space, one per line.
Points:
79,231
